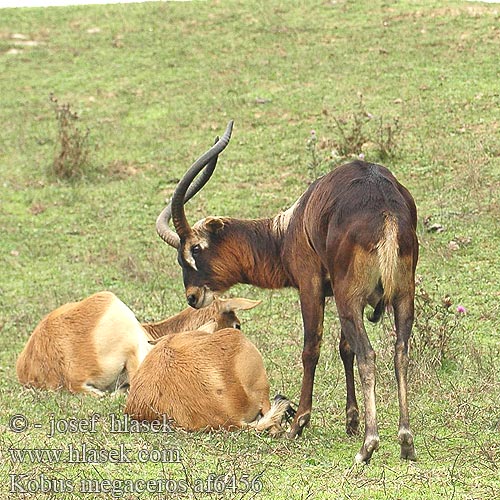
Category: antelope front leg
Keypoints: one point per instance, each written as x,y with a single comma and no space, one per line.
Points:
312,304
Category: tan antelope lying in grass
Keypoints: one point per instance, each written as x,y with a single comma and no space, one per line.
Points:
205,381
352,234
97,344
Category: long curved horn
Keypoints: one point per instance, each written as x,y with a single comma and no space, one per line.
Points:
179,219
162,227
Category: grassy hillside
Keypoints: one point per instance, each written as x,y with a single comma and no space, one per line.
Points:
413,85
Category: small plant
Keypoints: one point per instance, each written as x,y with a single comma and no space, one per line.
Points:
363,133
352,132
72,157
437,330
387,134
359,135
315,163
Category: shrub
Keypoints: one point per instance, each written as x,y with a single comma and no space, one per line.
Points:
72,156
359,134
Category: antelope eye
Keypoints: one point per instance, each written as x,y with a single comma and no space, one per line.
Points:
195,249
237,326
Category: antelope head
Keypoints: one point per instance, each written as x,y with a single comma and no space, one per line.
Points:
196,246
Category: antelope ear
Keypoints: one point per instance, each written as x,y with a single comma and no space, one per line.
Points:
238,304
155,341
209,327
213,224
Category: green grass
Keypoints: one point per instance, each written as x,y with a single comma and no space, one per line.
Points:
155,83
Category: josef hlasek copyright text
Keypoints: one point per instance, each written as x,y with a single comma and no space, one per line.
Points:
26,481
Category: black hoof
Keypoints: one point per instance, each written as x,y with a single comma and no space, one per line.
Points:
299,424
352,423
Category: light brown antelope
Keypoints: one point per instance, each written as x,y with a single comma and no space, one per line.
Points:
205,381
97,344
351,234
220,314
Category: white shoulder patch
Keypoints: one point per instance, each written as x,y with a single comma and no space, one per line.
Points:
282,220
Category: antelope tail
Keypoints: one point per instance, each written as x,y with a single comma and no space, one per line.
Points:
388,255
273,418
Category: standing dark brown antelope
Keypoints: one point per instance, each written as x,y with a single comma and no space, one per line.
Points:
352,233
